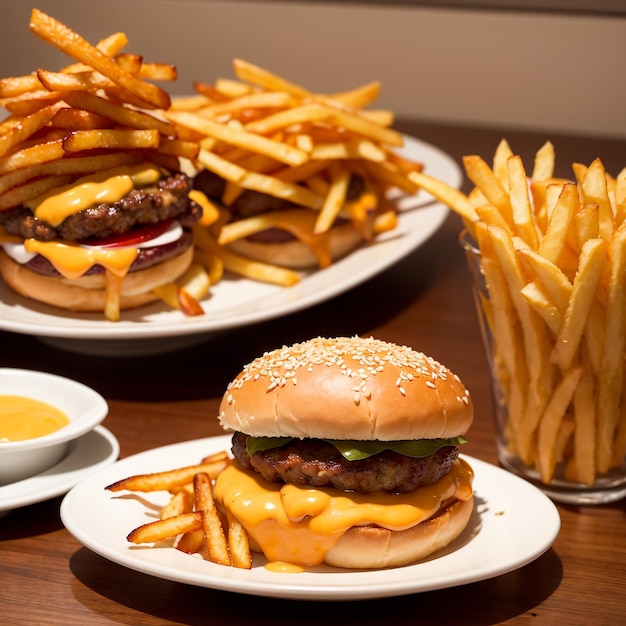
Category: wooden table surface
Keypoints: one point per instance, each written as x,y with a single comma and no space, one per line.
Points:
47,577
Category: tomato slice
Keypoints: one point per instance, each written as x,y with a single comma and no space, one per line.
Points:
132,237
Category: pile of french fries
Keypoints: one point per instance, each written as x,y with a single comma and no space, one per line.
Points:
190,519
262,132
553,255
258,131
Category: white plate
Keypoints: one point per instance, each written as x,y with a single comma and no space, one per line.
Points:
88,454
513,523
236,301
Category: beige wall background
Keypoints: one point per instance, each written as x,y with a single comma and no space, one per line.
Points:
546,72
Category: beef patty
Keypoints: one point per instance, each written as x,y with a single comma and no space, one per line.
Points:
316,463
168,198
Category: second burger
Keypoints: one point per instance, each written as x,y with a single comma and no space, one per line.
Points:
346,453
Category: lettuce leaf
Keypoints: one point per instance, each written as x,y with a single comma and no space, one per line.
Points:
358,450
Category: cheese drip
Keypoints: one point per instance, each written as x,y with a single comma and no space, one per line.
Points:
107,186
73,260
299,525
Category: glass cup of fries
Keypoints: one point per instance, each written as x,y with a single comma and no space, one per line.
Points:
551,440
548,257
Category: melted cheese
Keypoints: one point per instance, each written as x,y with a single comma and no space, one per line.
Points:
72,260
107,186
299,525
25,418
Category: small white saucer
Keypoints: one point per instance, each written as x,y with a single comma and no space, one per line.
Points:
93,451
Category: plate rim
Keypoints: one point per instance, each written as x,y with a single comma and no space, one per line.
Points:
311,585
45,485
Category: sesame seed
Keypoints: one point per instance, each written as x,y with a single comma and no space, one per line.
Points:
359,360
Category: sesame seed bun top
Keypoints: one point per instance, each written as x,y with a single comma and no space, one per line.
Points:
347,388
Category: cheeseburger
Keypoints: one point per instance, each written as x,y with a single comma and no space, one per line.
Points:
346,453
94,212
113,236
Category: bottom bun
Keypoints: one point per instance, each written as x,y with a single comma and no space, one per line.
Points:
294,254
369,547
90,296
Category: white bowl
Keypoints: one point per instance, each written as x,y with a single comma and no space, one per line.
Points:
84,407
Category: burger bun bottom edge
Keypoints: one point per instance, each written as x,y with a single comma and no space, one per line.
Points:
369,547
89,295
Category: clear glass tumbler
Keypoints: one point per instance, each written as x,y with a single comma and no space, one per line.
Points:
606,487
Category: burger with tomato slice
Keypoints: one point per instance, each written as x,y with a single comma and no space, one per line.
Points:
101,242
346,452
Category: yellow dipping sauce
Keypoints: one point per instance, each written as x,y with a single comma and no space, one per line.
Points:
24,418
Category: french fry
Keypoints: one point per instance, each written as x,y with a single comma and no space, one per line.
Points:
351,149
335,199
238,544
550,422
62,167
500,158
191,542
179,148
14,131
80,140
214,535
29,103
255,270
39,153
76,81
168,480
359,96
582,467
14,86
189,304
520,202
540,300
262,99
594,190
123,115
612,362
553,241
66,40
178,504
168,528
583,293
454,198
77,119
554,280
533,331
240,137
544,162
299,222
483,177
260,77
